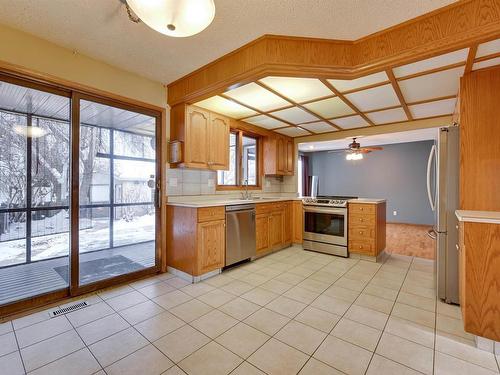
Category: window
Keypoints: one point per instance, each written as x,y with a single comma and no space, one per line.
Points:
243,162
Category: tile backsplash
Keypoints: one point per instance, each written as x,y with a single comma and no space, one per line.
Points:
201,182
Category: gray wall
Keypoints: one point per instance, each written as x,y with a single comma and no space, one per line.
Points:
398,174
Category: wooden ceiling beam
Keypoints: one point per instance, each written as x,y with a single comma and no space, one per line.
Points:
399,94
470,58
456,26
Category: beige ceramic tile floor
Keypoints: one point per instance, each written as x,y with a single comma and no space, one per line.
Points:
290,312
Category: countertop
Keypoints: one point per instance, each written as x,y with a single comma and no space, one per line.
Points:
367,200
491,217
199,203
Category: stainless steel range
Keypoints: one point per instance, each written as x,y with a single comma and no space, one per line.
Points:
325,224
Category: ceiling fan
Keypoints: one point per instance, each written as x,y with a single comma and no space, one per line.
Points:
355,151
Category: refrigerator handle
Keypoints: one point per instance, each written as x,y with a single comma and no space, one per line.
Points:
432,154
432,234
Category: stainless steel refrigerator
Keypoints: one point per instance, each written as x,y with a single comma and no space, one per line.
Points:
443,190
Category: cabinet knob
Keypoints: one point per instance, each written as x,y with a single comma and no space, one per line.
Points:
360,246
361,208
360,232
360,219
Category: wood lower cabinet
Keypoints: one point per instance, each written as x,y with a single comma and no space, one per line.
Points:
367,228
479,275
196,239
298,221
273,226
204,136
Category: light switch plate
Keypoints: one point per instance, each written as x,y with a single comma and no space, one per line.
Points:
395,213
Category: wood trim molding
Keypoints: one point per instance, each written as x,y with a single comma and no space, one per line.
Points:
458,25
399,94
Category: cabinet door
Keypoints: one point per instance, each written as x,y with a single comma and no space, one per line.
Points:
196,141
298,221
211,246
281,151
287,223
218,142
289,157
276,229
262,232
461,268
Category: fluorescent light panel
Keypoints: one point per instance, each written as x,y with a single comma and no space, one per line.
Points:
350,84
432,63
351,122
318,127
266,122
388,116
375,98
431,109
488,48
292,132
257,97
295,115
298,89
328,108
226,107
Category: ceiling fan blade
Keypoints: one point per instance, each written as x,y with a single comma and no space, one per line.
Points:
373,148
364,151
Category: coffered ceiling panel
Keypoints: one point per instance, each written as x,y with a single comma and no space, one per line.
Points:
292,132
431,86
437,108
295,115
328,108
351,122
266,122
388,116
488,48
257,97
344,85
486,63
297,89
318,127
432,63
225,107
375,98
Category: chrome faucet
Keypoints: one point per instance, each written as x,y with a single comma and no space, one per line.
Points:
245,194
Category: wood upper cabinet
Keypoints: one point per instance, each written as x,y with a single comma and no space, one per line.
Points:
218,142
196,142
205,137
211,245
278,156
366,223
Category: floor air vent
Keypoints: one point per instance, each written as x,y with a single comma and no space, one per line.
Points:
68,309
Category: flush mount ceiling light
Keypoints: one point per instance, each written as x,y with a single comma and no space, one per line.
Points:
177,18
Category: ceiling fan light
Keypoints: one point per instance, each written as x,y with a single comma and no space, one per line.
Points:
177,18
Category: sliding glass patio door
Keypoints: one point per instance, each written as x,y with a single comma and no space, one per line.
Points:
79,191
118,187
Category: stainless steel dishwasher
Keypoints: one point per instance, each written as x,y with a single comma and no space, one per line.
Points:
240,233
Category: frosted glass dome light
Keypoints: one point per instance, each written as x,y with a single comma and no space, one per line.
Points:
178,18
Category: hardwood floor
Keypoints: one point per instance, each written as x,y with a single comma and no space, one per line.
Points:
411,240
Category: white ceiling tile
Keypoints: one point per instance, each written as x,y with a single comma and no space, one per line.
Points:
375,98
265,122
488,48
437,108
486,63
318,127
387,116
225,107
351,122
295,115
257,97
328,108
431,86
432,63
351,84
292,132
298,89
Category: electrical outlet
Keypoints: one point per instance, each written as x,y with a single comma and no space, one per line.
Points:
394,213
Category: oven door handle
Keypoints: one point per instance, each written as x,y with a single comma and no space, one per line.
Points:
341,211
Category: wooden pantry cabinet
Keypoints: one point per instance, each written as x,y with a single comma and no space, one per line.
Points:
279,156
204,136
196,239
273,226
366,228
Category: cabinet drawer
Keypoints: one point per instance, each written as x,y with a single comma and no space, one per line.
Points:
361,208
360,246
263,208
211,213
361,219
361,232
